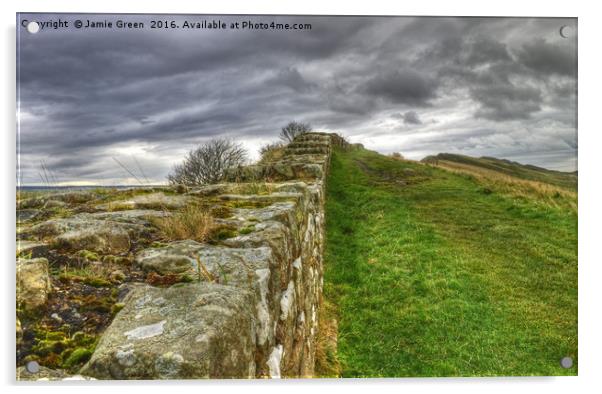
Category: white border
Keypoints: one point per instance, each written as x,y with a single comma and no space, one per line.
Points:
590,153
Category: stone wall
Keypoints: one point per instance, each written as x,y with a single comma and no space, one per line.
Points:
253,312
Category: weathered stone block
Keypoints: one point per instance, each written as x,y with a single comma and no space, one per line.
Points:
33,283
200,330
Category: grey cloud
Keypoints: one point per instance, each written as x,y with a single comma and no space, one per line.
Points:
488,50
544,57
410,117
86,93
292,78
402,87
507,102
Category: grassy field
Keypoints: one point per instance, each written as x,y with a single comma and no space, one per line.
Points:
431,273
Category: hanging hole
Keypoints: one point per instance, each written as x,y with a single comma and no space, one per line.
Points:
33,27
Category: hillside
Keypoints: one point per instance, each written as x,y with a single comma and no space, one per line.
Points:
449,272
566,180
539,185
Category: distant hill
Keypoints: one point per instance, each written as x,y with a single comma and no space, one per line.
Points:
566,180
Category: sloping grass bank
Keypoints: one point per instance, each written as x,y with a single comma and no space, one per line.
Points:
431,274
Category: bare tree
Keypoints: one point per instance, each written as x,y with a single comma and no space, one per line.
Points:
208,163
294,129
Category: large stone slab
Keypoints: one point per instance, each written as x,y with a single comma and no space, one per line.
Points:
84,231
197,330
156,200
254,269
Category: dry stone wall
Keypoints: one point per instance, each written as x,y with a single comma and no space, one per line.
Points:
260,317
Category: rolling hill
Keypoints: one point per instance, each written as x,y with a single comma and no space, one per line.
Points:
567,180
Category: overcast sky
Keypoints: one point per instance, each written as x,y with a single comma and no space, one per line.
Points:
502,87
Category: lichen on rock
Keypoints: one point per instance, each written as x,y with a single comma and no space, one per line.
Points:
33,283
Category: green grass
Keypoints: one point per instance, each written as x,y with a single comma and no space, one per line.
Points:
433,277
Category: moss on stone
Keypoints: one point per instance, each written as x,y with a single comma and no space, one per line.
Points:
248,203
93,281
223,232
247,230
55,349
88,255
78,356
116,308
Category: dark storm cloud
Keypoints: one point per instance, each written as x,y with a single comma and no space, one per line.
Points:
402,87
292,78
410,117
88,96
487,50
505,101
544,57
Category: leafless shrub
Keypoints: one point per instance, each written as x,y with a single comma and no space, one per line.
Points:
294,129
208,163
397,156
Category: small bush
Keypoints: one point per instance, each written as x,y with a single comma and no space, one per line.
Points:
208,163
192,222
294,129
397,156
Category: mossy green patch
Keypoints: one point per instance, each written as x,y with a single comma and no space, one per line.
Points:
88,255
248,203
247,230
94,281
78,356
55,349
221,232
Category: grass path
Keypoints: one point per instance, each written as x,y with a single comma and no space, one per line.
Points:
432,275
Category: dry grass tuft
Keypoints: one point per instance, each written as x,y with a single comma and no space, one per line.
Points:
271,152
203,272
255,187
192,222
